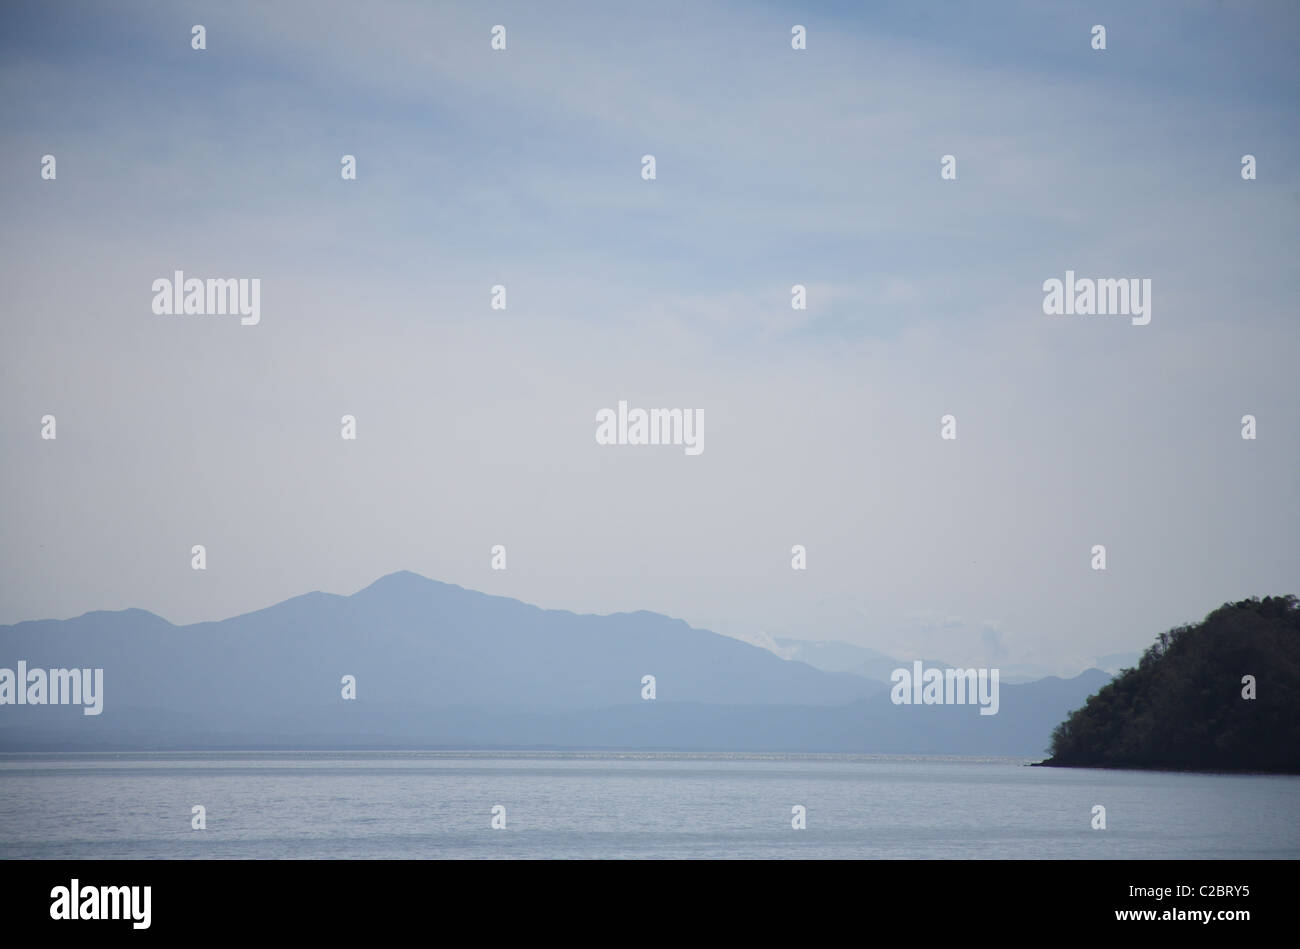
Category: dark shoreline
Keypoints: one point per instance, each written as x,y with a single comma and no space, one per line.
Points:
1181,769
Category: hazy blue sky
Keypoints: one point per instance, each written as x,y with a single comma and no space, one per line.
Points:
775,167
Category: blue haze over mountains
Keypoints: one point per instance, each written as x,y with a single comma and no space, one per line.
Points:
439,666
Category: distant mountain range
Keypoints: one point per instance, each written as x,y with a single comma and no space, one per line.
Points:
437,665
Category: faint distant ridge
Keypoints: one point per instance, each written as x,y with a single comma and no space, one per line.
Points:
436,665
1183,706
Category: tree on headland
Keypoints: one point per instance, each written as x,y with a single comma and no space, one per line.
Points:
1189,704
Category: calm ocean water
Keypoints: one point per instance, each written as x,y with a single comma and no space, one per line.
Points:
439,805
